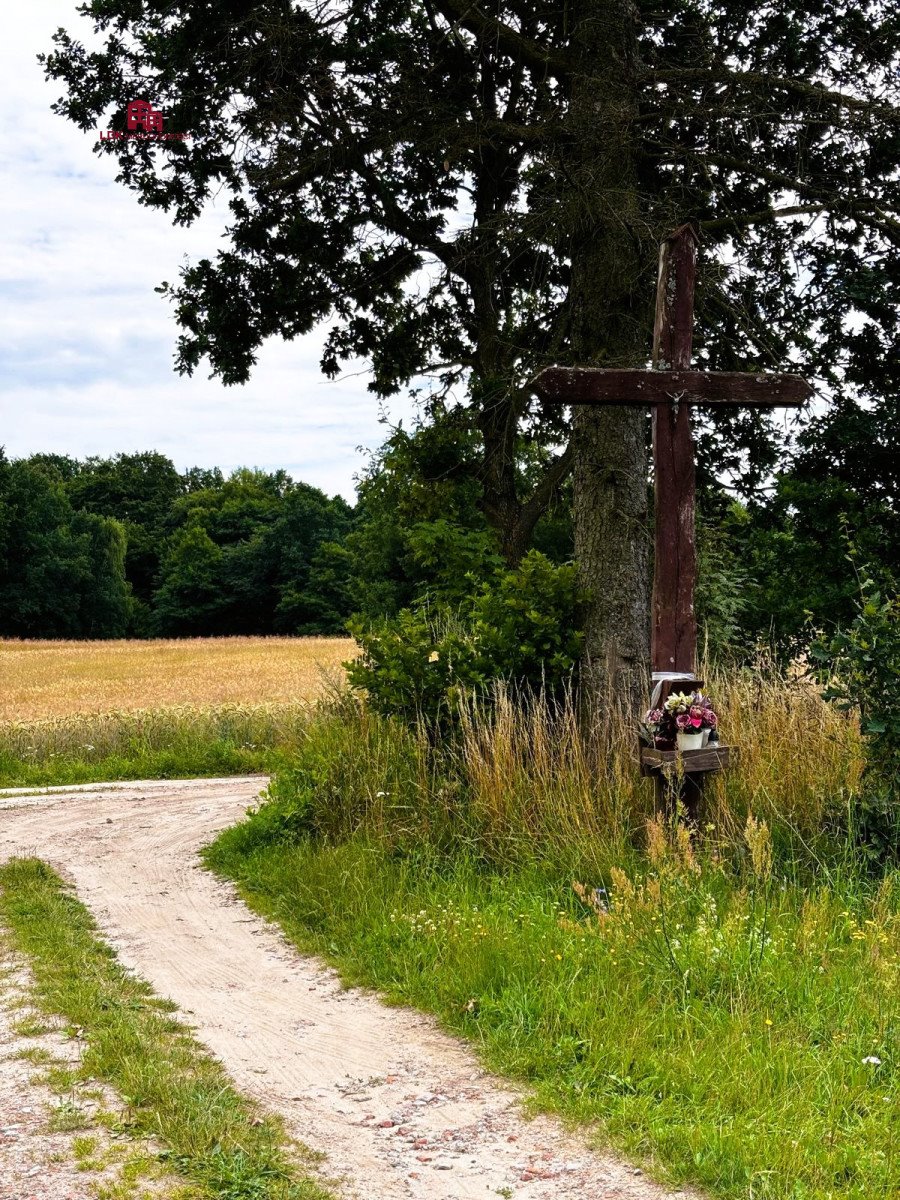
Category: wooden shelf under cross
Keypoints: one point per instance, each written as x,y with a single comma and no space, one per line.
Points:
693,762
680,775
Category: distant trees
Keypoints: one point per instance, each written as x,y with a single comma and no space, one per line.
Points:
130,546
256,553
62,571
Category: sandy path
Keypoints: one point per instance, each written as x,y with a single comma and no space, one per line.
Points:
403,1111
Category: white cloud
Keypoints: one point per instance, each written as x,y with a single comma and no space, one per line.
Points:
86,344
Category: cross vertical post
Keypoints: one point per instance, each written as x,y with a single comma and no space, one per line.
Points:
674,623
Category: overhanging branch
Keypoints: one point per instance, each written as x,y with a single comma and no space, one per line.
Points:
862,209
522,49
757,80
537,502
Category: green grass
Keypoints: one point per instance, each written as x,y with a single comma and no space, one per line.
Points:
174,1091
215,758
714,1023
168,743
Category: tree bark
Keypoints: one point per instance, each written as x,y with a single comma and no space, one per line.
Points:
610,296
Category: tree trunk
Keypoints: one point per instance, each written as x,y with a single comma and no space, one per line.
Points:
610,296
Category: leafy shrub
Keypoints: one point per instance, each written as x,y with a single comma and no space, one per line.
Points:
520,626
861,668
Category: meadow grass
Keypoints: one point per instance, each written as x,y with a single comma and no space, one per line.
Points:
523,777
736,1032
722,1005
171,743
81,712
173,1089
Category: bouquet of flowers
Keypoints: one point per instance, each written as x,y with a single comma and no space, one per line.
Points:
681,713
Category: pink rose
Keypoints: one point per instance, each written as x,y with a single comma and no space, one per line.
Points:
682,720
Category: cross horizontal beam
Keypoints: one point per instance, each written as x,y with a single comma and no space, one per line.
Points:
600,385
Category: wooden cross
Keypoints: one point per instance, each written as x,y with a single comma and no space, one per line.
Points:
671,388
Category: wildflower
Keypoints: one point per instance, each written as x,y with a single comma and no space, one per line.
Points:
872,1060
769,1021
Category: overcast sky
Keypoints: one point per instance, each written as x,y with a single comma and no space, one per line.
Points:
86,345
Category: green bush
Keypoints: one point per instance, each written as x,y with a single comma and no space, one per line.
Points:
519,626
861,669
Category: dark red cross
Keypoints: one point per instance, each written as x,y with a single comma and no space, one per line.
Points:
671,387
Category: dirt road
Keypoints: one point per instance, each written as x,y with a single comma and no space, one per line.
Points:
402,1111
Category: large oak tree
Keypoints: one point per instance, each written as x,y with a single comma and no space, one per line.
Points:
470,190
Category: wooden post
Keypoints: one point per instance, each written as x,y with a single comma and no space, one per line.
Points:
674,625
673,636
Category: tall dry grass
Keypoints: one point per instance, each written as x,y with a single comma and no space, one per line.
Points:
533,775
521,777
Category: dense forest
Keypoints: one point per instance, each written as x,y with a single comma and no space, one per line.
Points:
130,546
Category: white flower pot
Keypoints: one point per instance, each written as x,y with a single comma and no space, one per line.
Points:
705,733
690,741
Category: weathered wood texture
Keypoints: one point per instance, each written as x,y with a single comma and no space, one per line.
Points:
669,390
627,387
710,758
673,629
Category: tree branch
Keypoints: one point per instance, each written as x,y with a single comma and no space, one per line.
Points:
797,210
469,16
756,80
557,471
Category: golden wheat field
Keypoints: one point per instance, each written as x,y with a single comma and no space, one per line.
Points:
40,680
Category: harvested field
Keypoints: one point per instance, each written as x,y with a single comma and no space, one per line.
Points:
48,679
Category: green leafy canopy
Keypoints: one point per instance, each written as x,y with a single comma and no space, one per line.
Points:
415,173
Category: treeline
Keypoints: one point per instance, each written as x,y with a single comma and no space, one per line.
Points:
131,547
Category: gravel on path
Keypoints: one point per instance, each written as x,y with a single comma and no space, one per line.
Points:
401,1110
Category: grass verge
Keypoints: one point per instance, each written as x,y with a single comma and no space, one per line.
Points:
173,1089
166,743
727,1027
